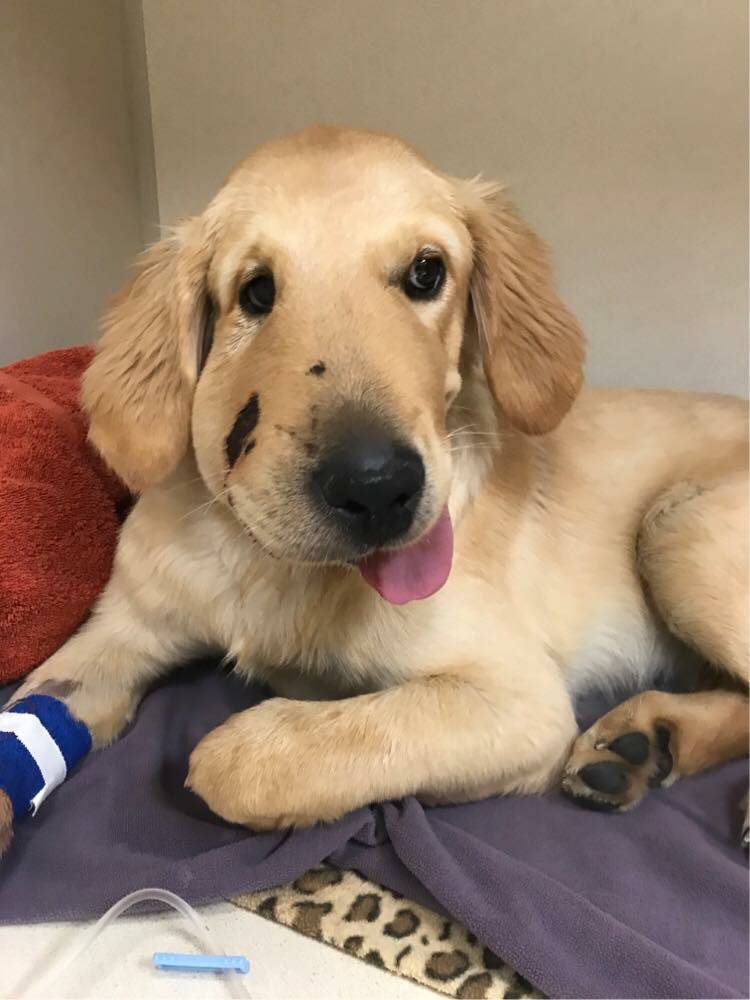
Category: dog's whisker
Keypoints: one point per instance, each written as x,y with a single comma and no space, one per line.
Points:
182,484
473,432
468,446
202,508
459,430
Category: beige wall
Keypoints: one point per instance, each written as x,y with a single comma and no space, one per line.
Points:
70,215
620,124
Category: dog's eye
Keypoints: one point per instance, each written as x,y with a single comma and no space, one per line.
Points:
425,276
257,295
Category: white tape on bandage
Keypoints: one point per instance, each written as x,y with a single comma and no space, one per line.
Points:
46,753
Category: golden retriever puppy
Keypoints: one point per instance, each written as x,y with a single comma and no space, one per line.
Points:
350,400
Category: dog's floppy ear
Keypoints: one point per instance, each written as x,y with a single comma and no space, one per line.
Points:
138,389
532,346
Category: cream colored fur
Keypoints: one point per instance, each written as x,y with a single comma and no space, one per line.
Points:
458,696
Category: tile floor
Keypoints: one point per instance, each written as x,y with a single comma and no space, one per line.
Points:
284,965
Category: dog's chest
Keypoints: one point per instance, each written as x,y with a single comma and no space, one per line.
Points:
623,649
289,623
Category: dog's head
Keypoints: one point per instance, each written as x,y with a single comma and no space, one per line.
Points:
307,336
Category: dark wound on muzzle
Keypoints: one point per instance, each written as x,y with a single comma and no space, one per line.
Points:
244,424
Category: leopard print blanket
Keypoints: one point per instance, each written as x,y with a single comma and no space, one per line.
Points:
343,909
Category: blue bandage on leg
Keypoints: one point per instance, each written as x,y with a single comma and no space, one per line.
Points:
40,741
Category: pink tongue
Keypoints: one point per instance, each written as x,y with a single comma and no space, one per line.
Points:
414,572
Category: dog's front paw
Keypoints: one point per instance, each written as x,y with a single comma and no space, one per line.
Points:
262,769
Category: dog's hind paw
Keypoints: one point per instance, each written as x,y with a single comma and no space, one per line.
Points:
613,764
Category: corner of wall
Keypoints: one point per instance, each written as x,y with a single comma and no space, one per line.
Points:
139,100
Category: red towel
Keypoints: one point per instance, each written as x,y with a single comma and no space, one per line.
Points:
60,510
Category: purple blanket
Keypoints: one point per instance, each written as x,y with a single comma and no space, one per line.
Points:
650,904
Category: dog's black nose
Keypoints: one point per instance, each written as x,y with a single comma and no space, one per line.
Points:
371,484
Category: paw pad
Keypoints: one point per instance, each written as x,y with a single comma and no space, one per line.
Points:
664,761
612,775
608,777
632,747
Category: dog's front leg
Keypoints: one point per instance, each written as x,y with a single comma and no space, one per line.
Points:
449,736
103,670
